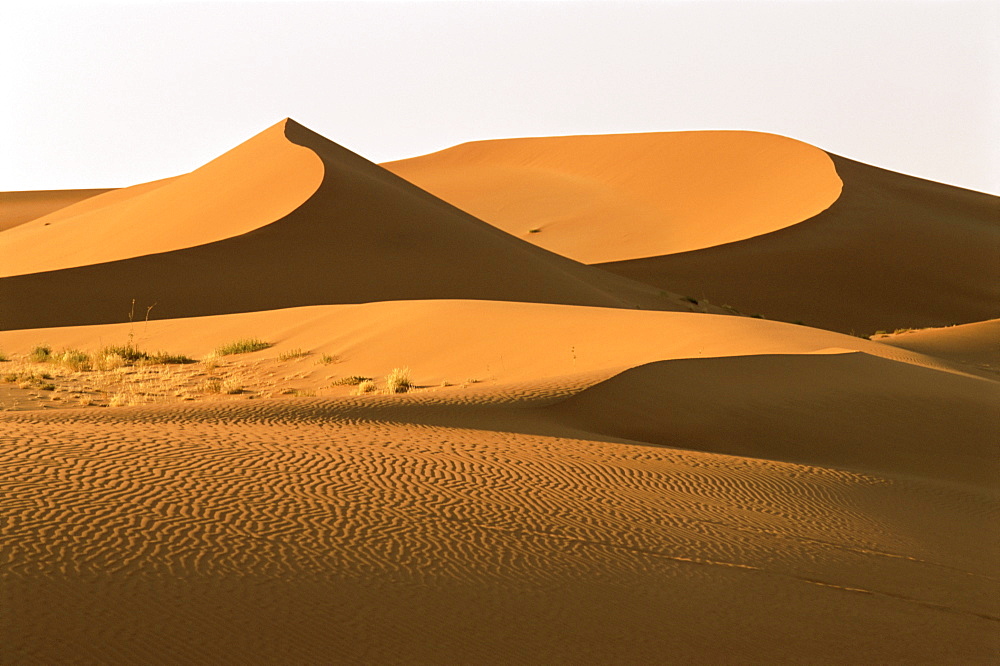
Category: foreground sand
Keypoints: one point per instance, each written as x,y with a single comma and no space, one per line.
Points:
587,468
437,529
719,489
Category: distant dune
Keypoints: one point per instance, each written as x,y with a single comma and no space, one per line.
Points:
581,466
745,219
20,207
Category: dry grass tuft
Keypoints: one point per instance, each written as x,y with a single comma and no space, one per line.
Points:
398,381
244,346
366,386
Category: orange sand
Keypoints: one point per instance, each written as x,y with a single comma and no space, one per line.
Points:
20,207
751,220
588,470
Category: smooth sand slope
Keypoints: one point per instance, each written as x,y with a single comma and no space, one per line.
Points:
625,196
19,207
751,220
977,344
363,235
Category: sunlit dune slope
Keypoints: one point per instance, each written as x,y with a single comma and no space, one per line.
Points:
19,207
445,340
363,235
252,185
763,223
893,251
976,344
624,196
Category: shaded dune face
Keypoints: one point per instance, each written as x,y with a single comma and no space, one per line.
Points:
853,411
893,251
624,196
365,235
16,208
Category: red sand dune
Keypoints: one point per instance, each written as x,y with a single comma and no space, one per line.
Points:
765,231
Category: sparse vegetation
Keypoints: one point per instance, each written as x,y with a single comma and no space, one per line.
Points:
244,346
40,354
353,380
366,386
74,359
327,359
292,354
691,299
398,381
535,230
3,357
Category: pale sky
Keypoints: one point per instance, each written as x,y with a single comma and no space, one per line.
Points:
107,94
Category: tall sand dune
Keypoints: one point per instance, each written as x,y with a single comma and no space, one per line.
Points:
19,207
751,220
626,196
363,235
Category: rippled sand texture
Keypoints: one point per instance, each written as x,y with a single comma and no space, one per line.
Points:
335,531
595,465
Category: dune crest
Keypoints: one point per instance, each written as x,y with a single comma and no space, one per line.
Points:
363,235
616,197
252,185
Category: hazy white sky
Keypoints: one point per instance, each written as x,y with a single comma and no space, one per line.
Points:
101,94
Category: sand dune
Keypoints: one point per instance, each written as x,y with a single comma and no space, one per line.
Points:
364,235
617,197
751,220
849,411
260,181
975,344
20,207
587,468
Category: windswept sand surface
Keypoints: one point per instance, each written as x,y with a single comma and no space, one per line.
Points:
587,469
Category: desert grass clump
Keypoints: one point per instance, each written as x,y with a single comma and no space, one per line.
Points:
327,359
292,354
3,357
353,380
129,352
40,354
398,381
690,299
244,346
366,386
74,359
166,358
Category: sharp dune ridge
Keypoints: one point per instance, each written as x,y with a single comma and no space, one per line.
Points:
364,235
592,461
